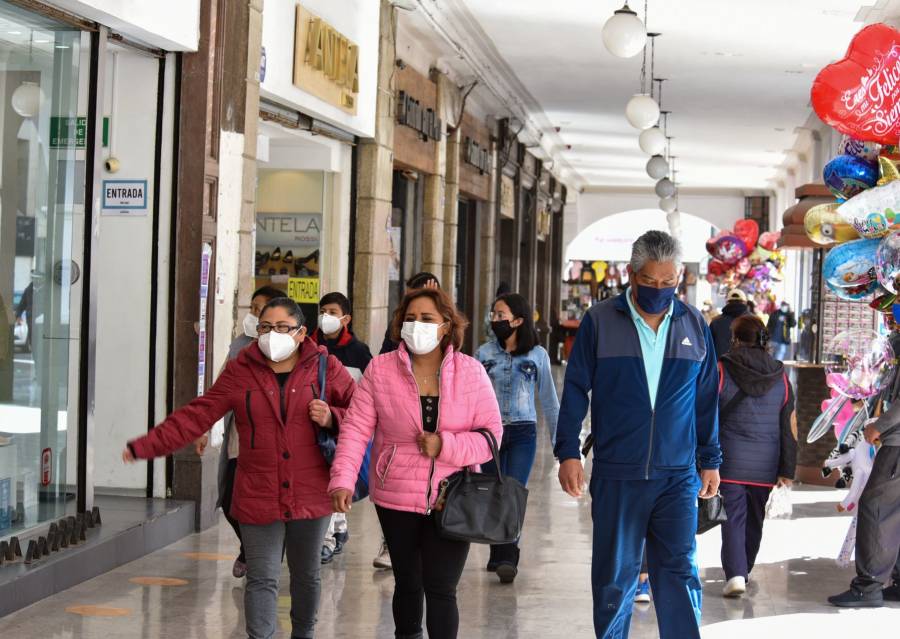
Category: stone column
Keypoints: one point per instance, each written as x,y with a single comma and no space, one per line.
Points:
451,212
433,224
373,208
488,244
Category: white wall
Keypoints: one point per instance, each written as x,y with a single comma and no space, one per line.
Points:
356,19
123,268
172,25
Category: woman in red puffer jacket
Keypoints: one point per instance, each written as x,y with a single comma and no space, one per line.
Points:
281,487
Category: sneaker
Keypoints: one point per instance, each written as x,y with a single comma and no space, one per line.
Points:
857,599
239,569
643,592
327,554
382,560
507,572
892,592
340,540
735,587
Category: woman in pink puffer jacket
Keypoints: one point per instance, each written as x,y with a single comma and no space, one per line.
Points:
421,404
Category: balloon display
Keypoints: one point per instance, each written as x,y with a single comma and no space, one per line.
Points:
848,175
858,363
868,151
887,262
857,95
849,269
871,213
824,226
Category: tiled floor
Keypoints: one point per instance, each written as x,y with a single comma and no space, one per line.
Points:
551,598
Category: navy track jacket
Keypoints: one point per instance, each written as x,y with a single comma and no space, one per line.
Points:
632,440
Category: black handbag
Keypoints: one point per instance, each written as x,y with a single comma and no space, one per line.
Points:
710,513
481,508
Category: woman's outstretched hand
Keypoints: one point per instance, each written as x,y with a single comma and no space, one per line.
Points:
127,457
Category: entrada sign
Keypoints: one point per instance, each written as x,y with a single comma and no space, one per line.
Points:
476,156
326,62
424,121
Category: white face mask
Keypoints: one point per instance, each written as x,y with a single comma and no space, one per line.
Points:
329,323
421,337
249,324
277,346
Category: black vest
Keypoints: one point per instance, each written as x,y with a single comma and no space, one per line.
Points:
750,435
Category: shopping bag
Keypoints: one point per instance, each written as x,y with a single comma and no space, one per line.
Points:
779,505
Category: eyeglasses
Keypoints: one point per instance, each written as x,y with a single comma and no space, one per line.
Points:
262,329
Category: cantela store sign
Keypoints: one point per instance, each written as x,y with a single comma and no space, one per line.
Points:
326,62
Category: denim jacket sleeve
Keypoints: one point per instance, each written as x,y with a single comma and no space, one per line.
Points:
547,393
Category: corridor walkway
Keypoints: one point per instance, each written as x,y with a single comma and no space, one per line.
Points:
186,590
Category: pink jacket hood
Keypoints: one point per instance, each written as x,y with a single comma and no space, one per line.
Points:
386,406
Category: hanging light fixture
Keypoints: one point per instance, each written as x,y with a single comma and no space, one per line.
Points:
665,188
26,99
624,35
657,167
642,111
668,204
652,141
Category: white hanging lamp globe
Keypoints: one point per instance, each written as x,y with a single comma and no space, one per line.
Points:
668,204
657,167
26,99
624,35
642,111
665,188
652,141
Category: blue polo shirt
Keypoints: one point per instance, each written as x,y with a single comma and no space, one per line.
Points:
653,345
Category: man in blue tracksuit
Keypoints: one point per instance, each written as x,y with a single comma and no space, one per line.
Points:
647,365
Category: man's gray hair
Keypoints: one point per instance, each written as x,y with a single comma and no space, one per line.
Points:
655,246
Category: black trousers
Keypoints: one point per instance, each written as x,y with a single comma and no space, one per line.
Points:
878,524
230,471
745,506
426,568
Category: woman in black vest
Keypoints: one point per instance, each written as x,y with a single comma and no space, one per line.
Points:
757,432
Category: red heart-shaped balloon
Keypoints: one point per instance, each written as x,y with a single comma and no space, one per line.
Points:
711,242
769,240
717,267
748,231
860,94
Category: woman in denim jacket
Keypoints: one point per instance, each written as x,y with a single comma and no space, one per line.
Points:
519,370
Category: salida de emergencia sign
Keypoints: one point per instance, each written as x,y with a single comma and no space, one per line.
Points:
124,197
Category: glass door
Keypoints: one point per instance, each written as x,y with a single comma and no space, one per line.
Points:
41,219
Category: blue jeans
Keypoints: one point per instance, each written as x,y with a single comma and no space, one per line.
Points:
517,451
664,512
780,351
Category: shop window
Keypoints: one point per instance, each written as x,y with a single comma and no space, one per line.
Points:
41,217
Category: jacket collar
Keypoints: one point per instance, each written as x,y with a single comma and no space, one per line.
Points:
620,302
403,356
343,339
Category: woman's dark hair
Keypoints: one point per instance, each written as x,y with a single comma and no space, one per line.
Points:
445,306
502,289
336,298
526,335
419,280
293,308
269,292
749,330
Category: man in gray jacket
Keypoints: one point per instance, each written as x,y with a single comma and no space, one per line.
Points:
878,521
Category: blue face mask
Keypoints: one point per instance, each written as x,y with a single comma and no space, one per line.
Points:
654,300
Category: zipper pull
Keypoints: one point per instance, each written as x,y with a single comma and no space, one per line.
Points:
442,496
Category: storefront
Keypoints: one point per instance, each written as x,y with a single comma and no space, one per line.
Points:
317,96
417,133
475,166
87,135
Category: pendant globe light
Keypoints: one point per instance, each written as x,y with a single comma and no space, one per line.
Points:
668,204
652,141
665,188
657,167
642,111
26,99
624,35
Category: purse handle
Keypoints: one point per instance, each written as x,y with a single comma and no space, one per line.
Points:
492,442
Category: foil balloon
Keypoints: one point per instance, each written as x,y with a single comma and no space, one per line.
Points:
769,240
887,262
871,213
884,303
849,269
824,226
717,267
867,151
858,365
848,175
887,168
728,248
748,231
844,415
857,95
